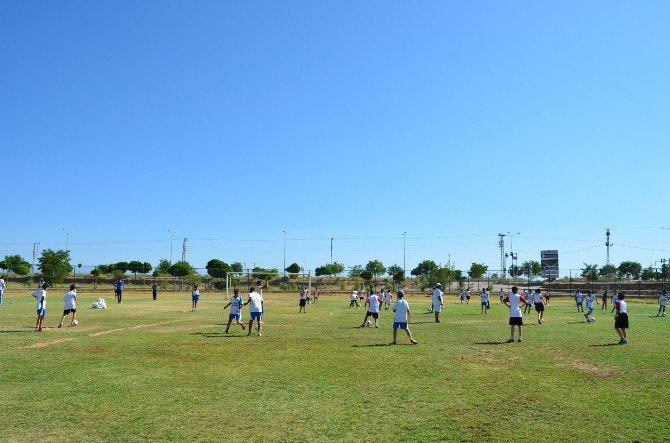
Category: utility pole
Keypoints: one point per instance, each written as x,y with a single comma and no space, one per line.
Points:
608,244
284,253
404,237
183,251
36,246
331,249
503,263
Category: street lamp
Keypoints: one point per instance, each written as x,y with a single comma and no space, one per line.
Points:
172,233
404,237
284,253
331,249
67,237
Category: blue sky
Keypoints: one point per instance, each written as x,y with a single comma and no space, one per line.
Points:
229,122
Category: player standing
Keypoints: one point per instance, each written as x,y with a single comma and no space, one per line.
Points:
604,300
316,295
387,299
2,287
372,303
255,310
662,303
501,294
41,296
539,306
118,289
303,301
621,318
401,318
154,290
485,301
353,300
195,296
235,310
70,306
513,302
438,301
579,301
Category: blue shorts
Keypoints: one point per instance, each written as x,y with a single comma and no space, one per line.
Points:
400,324
194,298
42,312
256,315
235,316
484,303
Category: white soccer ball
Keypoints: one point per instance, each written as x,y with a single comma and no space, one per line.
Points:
593,319
663,315
75,322
368,323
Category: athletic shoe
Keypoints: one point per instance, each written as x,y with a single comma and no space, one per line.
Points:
259,334
539,321
226,331
243,327
511,340
519,340
392,343
39,330
621,341
625,341
377,326
249,334
438,321
60,325
413,342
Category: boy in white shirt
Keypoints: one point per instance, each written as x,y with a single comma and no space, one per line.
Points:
353,300
195,296
621,318
485,302
372,303
590,297
513,302
529,301
235,310
387,299
579,301
438,301
539,306
662,303
41,296
255,310
70,306
2,287
303,301
401,318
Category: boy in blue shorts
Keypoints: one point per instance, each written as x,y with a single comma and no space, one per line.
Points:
195,296
41,296
401,318
255,310
235,304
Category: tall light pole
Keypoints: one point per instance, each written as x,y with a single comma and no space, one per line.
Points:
331,249
404,237
284,253
172,233
67,237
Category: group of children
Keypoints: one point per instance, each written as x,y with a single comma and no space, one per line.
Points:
69,307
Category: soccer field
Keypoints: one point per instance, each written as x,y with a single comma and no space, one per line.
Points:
149,370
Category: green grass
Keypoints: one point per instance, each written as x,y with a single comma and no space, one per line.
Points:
171,374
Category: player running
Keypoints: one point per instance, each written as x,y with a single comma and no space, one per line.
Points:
387,299
579,301
235,304
590,298
539,306
353,300
485,302
662,303
372,303
70,306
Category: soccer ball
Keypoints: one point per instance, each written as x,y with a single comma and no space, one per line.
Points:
663,314
593,319
368,323
75,322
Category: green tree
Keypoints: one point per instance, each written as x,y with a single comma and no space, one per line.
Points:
323,270
121,266
15,264
217,268
266,274
650,273
366,275
181,269
294,268
477,270
96,272
355,271
531,268
54,265
135,267
629,270
146,268
590,272
398,277
237,267
337,268
162,268
607,271
424,268
375,267
118,273
393,269
515,271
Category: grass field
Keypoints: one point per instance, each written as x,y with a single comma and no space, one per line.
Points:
155,371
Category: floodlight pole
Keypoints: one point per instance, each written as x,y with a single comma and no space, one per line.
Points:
404,237
284,253
331,249
171,240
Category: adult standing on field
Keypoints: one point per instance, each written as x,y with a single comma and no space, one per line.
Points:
438,301
154,290
255,310
118,289
2,287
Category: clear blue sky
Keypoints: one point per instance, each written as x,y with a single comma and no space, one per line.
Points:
230,122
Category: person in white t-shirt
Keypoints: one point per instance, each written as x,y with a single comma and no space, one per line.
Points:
255,310
621,318
485,302
662,303
513,302
41,296
235,304
2,287
590,298
373,303
501,294
70,306
438,301
303,301
195,296
579,301
615,298
316,295
539,306
529,301
353,300
401,318
387,299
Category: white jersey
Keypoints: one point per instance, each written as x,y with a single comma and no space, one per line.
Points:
589,301
501,294
401,308
663,299
485,296
578,297
256,302
303,295
70,300
514,300
354,295
2,285
387,297
236,304
373,302
537,298
623,308
438,299
41,304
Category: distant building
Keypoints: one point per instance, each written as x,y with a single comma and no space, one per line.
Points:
549,263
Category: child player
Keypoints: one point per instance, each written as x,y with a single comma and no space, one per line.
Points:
438,301
621,318
539,306
353,300
401,318
513,302
118,289
604,300
2,287
235,310
662,303
372,303
387,299
195,296
590,298
485,301
303,301
528,296
70,306
255,310
41,296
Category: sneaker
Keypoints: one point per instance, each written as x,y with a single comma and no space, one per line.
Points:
243,328
539,322
413,341
392,343
624,341
438,321
377,326
60,325
259,334
249,334
621,341
519,340
511,340
39,330
226,331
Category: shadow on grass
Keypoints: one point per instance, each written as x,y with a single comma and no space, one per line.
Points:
576,322
218,335
422,322
604,344
490,343
374,345
11,332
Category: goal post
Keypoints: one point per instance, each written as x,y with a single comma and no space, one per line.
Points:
230,276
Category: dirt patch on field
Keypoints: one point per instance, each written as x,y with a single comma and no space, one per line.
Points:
44,344
111,331
92,349
151,325
585,367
